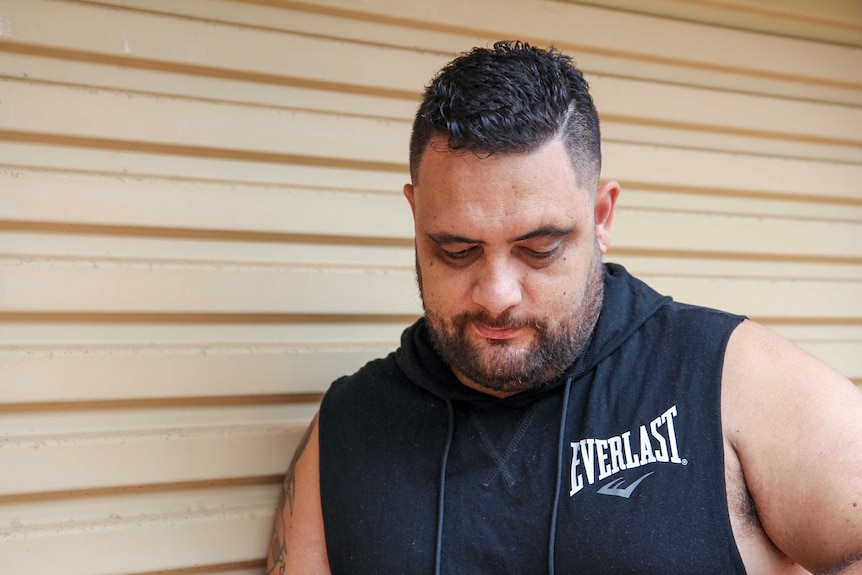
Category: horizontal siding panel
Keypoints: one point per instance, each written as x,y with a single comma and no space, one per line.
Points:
62,374
650,38
736,142
837,22
65,198
71,462
704,75
713,202
23,517
38,197
216,246
324,21
91,75
619,97
157,119
803,333
127,164
18,335
766,298
133,34
58,197
734,267
729,172
706,109
142,119
118,547
31,247
87,330
98,379
301,18
29,287
646,37
152,415
142,81
151,288
736,234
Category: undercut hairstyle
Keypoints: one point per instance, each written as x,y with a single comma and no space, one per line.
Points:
511,98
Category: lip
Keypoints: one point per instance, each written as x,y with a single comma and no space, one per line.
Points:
496,333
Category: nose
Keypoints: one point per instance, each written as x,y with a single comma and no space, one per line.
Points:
497,287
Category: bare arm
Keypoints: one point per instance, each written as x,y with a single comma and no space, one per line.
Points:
298,542
796,425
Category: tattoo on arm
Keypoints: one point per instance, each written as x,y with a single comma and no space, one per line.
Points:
289,490
278,546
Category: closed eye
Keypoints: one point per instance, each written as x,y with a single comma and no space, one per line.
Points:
460,254
543,254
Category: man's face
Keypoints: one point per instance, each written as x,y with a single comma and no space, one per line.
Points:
508,262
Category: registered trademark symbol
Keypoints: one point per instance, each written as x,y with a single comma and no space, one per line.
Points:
685,461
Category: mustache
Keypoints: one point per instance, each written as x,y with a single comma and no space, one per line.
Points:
505,320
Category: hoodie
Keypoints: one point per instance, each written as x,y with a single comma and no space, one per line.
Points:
616,466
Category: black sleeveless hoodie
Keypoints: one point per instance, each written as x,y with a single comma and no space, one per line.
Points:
615,467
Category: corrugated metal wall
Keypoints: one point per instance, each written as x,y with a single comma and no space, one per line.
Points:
201,225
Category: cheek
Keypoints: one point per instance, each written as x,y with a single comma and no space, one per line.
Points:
559,291
439,285
445,288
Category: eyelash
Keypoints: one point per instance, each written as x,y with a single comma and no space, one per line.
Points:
459,255
543,255
536,255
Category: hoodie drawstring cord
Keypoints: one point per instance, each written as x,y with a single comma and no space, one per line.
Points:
553,537
438,554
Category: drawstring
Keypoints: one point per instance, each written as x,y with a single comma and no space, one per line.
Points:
438,559
556,507
449,435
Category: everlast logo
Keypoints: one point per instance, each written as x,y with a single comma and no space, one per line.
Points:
598,459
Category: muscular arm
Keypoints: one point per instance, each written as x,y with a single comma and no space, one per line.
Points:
796,426
298,543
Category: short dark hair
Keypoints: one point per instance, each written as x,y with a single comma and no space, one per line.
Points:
511,98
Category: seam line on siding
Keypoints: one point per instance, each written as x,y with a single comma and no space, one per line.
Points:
201,318
143,489
473,32
199,70
164,403
198,151
202,234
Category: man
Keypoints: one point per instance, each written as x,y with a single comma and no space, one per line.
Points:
551,413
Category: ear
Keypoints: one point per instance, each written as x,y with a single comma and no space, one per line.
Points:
408,193
606,201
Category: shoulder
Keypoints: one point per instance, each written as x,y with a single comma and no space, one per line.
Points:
367,379
374,398
796,425
761,367
690,325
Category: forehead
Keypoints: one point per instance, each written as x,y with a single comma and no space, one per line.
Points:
498,193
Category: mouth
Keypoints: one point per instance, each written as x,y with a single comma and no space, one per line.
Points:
497,333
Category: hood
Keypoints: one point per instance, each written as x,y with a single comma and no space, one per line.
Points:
628,303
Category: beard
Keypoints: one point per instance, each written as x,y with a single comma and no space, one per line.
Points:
504,367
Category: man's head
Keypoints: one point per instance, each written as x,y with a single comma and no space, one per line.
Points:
511,98
509,224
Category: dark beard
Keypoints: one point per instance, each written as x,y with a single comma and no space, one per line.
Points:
510,370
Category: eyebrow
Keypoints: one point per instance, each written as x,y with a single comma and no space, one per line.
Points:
544,232
551,231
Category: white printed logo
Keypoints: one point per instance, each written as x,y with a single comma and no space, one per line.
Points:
599,459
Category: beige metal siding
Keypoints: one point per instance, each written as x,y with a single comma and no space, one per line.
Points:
201,225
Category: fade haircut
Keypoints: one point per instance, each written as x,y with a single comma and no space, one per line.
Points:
511,98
